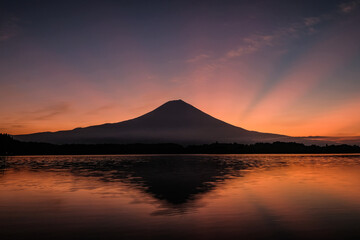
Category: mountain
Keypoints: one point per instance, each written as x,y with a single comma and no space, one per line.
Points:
175,121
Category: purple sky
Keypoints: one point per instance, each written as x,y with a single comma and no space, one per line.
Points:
288,67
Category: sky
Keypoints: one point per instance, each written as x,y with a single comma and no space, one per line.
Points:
287,67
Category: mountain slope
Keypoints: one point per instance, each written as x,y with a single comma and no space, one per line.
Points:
175,121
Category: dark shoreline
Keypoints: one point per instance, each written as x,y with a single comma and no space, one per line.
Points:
11,147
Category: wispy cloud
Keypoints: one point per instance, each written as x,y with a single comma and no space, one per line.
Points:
198,58
305,26
49,112
349,6
310,21
252,44
101,109
257,42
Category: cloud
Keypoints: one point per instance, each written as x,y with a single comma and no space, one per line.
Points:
49,112
252,44
310,21
349,6
198,58
101,109
17,126
257,42
9,28
242,50
305,26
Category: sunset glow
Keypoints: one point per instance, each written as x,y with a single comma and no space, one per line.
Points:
279,67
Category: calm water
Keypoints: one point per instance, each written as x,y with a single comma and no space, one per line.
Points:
180,197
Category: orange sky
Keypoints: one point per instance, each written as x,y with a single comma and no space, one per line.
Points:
296,74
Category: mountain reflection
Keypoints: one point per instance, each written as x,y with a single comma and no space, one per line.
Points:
176,181
197,197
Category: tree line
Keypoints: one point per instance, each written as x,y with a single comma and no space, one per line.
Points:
10,146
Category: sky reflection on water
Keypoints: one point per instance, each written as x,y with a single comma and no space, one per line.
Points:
180,196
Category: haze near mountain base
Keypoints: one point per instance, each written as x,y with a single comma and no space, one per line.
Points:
173,122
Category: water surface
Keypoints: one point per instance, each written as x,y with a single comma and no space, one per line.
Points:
180,197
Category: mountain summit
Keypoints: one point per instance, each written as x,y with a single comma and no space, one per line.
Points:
173,122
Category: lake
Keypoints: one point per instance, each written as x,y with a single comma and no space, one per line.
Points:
180,197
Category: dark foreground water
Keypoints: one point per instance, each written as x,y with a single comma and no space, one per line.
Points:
180,197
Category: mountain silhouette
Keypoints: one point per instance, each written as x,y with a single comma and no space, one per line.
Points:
175,121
